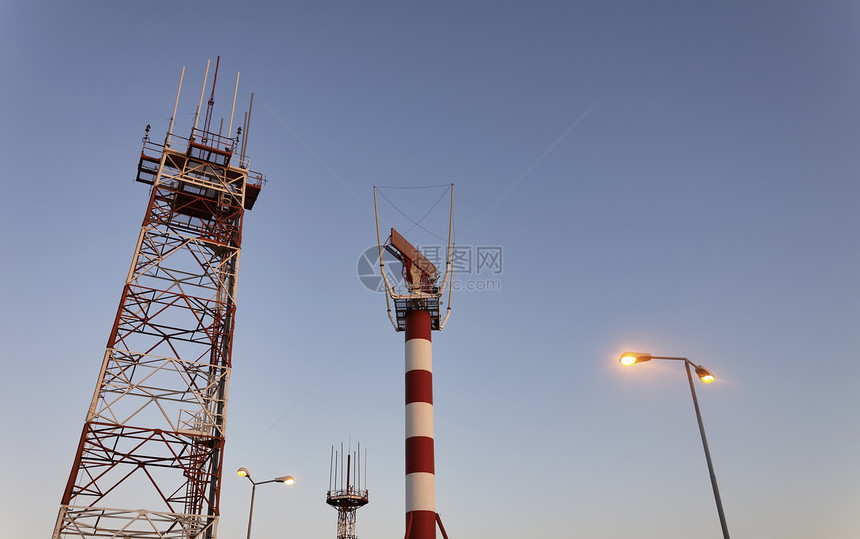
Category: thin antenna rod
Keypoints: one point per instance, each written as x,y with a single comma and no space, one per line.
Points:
448,254
451,221
175,106
247,125
211,103
330,466
233,110
382,262
448,313
365,468
244,127
348,462
202,91
448,263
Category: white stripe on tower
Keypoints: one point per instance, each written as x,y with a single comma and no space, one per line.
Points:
420,471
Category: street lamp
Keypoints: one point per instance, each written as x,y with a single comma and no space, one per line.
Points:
243,472
632,358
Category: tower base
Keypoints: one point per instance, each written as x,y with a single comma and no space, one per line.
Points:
424,523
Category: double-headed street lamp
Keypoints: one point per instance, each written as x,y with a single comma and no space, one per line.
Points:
243,472
631,358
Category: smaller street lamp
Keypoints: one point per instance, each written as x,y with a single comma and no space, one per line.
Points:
243,472
631,358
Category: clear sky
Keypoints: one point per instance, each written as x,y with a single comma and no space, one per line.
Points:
679,178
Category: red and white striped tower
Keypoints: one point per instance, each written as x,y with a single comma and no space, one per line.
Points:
420,471
418,315
417,308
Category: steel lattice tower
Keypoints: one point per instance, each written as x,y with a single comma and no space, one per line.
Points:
153,436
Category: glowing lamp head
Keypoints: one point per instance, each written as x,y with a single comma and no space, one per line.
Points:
287,479
704,375
631,358
243,472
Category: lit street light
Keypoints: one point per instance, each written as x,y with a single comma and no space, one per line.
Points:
243,472
631,358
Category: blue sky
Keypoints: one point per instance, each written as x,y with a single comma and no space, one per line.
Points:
668,177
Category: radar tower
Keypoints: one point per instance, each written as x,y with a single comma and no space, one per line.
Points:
417,314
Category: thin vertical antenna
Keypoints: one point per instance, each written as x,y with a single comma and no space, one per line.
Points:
233,108
330,463
175,105
358,465
245,133
381,262
220,127
341,465
450,236
244,125
448,263
348,462
378,238
247,125
242,145
202,91
211,104
365,468
451,222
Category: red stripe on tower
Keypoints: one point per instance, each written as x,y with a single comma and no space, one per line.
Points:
420,473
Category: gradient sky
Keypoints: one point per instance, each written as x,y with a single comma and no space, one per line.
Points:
677,178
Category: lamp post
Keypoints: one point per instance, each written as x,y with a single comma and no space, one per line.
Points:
631,358
243,472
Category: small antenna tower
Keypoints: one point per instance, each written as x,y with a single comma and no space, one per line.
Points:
346,499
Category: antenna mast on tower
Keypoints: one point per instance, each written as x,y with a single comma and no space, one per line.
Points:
148,463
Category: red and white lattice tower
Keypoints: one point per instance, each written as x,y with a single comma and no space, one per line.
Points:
417,315
148,464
